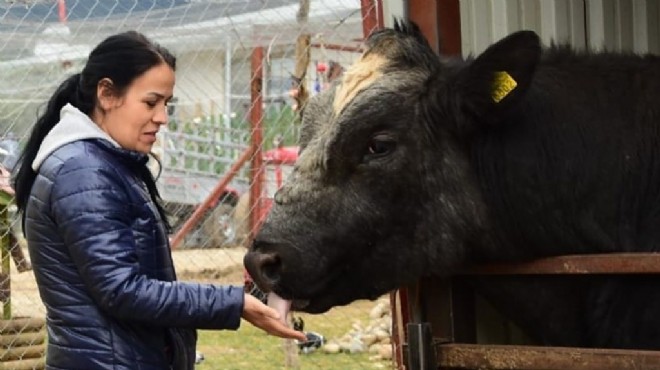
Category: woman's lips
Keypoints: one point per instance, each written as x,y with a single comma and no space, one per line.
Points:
151,136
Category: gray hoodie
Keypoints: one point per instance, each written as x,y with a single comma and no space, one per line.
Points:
74,125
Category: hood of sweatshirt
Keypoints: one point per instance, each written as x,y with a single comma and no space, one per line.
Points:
74,125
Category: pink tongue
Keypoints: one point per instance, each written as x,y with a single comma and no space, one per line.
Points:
280,305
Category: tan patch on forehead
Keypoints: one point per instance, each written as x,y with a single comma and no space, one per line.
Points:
360,75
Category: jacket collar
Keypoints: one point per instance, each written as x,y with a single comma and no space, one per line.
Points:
75,125
129,155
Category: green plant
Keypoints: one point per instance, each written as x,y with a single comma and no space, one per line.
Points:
210,137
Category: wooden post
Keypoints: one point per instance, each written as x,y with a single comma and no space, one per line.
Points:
303,56
256,121
5,244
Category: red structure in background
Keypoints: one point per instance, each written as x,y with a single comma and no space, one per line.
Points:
211,200
372,16
278,163
256,115
61,11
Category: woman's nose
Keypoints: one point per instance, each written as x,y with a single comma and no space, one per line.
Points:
161,115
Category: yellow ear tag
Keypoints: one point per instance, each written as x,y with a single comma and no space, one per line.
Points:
503,84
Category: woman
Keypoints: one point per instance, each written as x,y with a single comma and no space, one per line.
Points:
96,232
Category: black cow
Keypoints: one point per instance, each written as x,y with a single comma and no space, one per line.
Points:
414,166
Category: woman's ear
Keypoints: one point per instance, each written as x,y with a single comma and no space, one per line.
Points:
106,94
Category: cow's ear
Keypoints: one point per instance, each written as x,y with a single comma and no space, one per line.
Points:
498,78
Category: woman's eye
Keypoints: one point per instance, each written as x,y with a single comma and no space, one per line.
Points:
151,104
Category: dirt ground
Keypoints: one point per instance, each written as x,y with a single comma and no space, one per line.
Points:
222,266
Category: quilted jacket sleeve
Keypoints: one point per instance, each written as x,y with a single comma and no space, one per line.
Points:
91,207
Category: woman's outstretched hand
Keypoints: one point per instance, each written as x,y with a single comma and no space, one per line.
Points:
267,319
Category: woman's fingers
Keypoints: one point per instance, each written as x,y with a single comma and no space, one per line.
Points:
284,331
268,319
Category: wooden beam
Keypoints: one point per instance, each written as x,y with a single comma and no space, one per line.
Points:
610,263
479,356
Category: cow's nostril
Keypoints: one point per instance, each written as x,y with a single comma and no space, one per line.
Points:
270,268
264,269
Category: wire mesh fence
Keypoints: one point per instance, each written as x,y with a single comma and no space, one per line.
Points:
305,44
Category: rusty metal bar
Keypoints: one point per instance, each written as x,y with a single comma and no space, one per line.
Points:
210,199
611,263
449,27
479,356
425,14
440,22
370,20
400,316
256,121
381,18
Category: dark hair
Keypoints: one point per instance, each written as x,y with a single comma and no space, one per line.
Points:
121,58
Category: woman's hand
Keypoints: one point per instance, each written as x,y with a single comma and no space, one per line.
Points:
267,319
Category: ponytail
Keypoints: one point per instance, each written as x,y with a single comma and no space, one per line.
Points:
67,92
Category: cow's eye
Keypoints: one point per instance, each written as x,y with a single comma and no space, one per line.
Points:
379,146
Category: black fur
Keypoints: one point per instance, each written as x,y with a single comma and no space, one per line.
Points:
424,173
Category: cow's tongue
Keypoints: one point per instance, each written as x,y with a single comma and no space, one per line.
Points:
281,305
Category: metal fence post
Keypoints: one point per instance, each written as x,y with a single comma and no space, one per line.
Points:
421,354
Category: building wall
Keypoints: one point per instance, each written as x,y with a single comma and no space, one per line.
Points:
627,25
200,85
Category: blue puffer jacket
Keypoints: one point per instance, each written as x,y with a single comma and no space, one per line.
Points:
103,265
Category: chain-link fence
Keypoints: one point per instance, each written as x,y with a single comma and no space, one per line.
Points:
303,45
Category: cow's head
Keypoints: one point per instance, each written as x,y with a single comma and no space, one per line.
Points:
384,191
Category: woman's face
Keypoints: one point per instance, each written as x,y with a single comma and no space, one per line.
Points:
134,118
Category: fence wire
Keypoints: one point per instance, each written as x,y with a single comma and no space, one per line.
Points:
44,41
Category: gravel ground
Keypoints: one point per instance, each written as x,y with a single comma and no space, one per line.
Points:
209,265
